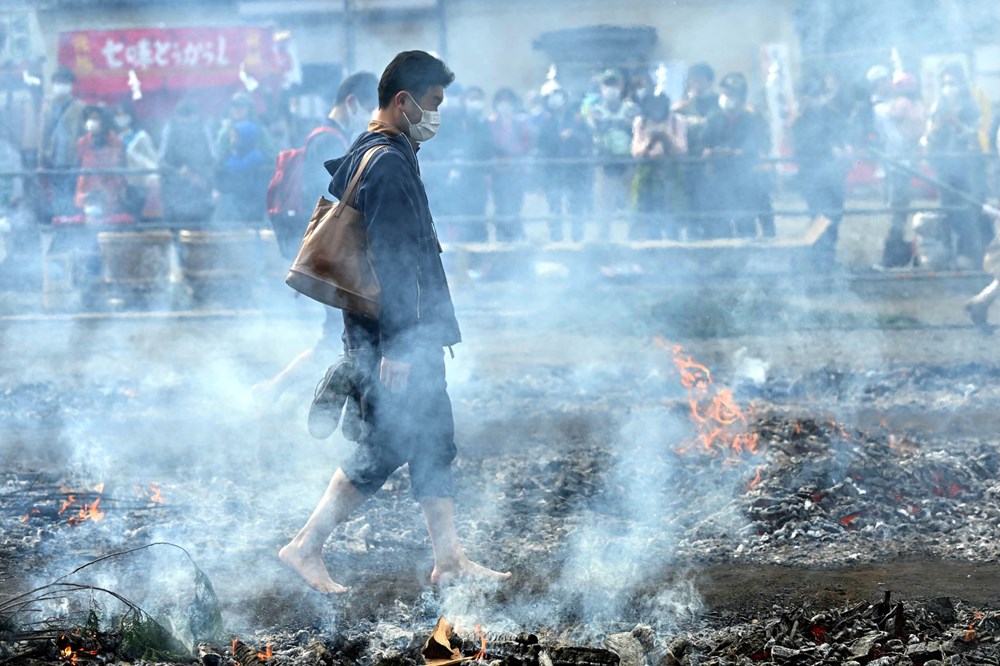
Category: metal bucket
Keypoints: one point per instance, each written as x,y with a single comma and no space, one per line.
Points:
219,255
137,259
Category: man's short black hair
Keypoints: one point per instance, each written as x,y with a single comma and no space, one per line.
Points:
363,85
702,70
412,71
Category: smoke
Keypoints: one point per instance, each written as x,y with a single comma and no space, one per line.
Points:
566,415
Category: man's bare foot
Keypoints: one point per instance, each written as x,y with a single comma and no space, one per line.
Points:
311,568
977,312
465,569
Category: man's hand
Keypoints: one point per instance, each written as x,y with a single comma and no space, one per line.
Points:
394,375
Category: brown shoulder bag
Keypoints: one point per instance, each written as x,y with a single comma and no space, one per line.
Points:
334,264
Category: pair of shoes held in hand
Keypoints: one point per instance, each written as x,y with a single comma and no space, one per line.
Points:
338,392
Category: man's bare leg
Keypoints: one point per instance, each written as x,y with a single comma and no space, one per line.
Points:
450,560
267,391
304,553
978,306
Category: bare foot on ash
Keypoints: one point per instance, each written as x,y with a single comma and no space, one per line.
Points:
310,566
466,569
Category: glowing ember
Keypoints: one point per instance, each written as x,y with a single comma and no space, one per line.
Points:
33,512
850,518
266,654
482,638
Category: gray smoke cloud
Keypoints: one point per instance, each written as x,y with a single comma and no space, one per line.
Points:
558,344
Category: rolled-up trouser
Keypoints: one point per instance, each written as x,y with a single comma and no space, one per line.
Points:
413,427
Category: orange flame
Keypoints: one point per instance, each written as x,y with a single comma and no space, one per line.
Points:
970,633
71,655
482,638
753,483
154,494
88,512
67,503
266,654
720,422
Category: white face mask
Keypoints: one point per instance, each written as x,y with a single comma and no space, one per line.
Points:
475,105
62,89
428,125
727,103
357,119
93,126
122,121
611,94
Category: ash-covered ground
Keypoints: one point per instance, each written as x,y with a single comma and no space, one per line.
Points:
873,470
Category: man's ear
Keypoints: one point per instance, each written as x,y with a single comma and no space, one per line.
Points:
400,98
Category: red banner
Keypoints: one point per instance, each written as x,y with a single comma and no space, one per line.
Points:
110,62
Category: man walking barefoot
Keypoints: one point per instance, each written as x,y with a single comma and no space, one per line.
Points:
406,411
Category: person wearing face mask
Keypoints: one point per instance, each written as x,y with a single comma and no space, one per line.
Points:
820,136
611,119
143,193
406,411
468,188
357,99
564,134
242,109
62,124
241,179
101,196
953,148
186,161
700,100
641,87
458,192
901,121
658,135
511,141
735,139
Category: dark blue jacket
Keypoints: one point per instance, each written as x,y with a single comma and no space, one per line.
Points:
416,310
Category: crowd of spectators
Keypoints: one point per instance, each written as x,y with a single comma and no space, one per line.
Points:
699,167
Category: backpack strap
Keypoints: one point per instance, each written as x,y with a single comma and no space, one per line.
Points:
353,185
325,129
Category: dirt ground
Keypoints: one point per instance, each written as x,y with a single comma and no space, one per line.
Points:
870,323
549,363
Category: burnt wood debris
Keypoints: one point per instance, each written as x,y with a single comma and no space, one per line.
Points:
815,498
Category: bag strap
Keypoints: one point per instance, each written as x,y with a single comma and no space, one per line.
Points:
325,129
353,185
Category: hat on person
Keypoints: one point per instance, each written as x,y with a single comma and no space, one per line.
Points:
876,73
